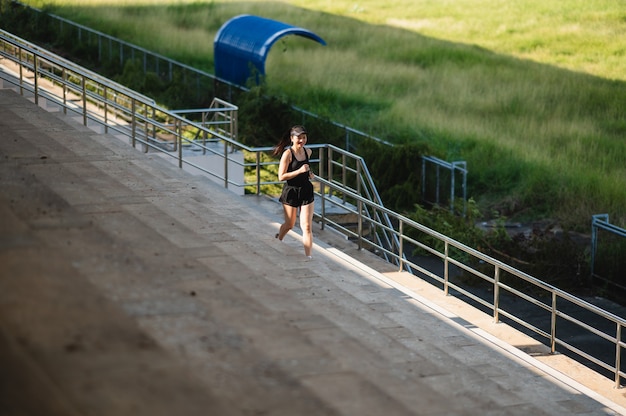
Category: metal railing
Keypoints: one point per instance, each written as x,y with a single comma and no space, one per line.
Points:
450,170
118,109
109,48
122,111
343,182
600,222
507,286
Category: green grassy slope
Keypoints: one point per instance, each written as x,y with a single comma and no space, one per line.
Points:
532,94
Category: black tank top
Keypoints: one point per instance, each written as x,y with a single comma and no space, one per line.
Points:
296,164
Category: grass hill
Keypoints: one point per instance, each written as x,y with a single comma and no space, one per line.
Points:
532,94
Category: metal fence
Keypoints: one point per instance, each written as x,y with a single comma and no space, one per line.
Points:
444,189
204,85
611,262
342,184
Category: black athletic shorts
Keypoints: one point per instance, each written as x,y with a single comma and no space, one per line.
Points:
297,196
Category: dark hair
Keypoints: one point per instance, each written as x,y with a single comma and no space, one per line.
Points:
285,140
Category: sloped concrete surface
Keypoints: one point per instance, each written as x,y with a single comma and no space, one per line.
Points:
130,287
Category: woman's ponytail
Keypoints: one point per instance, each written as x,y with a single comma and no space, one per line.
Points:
284,142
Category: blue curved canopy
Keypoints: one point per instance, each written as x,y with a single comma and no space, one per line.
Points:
242,44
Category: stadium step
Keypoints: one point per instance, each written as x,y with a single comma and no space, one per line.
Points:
130,286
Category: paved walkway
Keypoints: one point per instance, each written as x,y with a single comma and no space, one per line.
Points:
130,287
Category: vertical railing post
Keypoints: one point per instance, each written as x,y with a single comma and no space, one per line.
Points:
35,67
84,92
225,164
322,157
323,210
154,126
64,89
445,268
132,121
330,167
19,51
401,245
452,177
594,240
553,324
359,205
359,170
258,173
178,128
175,143
618,355
344,173
204,136
496,294
320,175
106,109
146,128
114,99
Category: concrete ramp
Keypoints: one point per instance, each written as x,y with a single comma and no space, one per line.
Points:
131,287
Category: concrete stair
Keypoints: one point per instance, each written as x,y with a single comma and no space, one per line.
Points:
130,287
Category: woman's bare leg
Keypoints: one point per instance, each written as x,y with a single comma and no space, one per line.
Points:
306,221
290,214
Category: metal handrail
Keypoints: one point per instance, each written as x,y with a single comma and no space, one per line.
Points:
103,101
406,227
169,65
363,185
601,222
53,60
98,100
